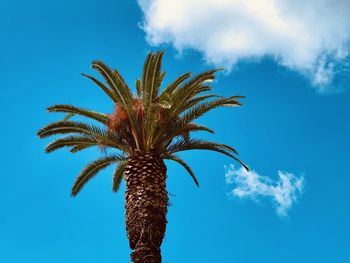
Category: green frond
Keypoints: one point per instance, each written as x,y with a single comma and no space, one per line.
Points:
116,83
180,129
122,86
184,164
80,147
197,127
164,133
92,169
70,127
71,141
136,129
181,145
151,124
195,144
173,86
196,100
118,176
206,76
159,82
104,71
145,73
150,84
152,77
103,87
65,127
177,127
198,110
100,117
190,89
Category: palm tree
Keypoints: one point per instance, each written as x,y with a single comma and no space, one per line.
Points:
144,130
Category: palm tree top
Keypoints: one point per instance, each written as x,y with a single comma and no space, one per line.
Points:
152,121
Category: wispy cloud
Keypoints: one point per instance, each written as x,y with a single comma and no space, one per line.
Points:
311,37
249,184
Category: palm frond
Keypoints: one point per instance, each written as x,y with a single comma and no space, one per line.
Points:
151,124
192,88
80,147
117,85
118,176
122,86
173,86
195,144
177,127
100,117
198,110
92,169
191,127
65,127
150,83
182,163
152,77
196,100
181,145
71,141
146,67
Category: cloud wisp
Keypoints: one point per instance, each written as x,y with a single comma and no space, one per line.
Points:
310,37
249,184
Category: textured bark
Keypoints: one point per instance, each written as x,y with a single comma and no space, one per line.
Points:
146,202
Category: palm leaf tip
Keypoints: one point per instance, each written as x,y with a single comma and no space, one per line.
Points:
217,70
40,133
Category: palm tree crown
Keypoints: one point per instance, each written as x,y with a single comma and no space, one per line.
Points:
148,121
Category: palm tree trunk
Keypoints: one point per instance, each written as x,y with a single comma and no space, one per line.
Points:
146,202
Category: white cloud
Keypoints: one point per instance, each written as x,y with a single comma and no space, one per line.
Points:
249,184
311,37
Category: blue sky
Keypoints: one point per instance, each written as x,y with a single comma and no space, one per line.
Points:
289,122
